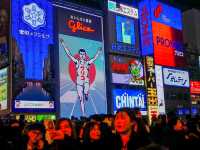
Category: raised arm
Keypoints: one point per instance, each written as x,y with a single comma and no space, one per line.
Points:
96,55
67,51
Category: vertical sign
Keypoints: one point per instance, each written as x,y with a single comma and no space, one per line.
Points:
152,100
81,63
160,92
146,28
4,31
32,32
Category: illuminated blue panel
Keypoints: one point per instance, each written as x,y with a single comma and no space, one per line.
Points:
146,28
131,98
125,30
32,28
165,14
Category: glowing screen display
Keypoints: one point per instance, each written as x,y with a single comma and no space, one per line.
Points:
32,33
81,59
168,46
127,70
132,98
123,29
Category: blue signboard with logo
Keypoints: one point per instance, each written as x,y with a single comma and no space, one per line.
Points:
32,34
166,14
152,10
131,98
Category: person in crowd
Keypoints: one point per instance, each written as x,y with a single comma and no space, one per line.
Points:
126,138
35,139
177,134
94,136
64,137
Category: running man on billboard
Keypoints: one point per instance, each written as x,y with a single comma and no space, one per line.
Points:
82,73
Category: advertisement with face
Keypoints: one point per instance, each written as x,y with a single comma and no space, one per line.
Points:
123,29
81,63
127,70
4,31
131,98
32,33
3,89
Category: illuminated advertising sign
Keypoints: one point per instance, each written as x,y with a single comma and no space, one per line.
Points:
152,99
166,14
122,9
132,98
82,66
122,31
195,98
161,26
174,77
4,32
160,91
127,70
32,33
195,87
168,46
146,28
3,89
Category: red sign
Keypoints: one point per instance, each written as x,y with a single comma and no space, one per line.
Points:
168,47
78,26
195,87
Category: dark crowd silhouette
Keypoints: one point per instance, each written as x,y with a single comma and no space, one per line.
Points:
126,130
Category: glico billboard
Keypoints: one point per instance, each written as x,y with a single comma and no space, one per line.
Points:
81,63
161,33
131,98
32,37
123,30
126,70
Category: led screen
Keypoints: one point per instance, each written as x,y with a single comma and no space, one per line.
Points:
127,70
32,33
81,59
3,89
123,29
4,31
160,22
174,77
132,98
168,46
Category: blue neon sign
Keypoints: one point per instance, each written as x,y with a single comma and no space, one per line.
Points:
132,98
32,28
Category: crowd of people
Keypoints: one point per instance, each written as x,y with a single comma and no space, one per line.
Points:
126,130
